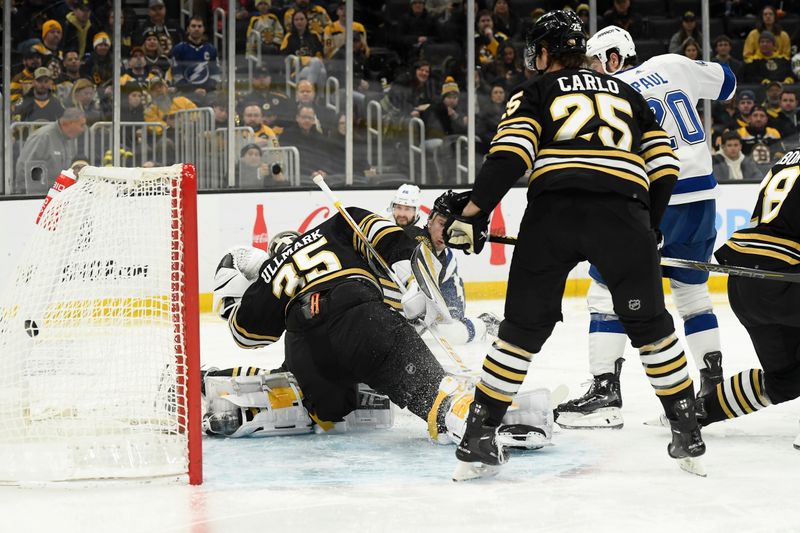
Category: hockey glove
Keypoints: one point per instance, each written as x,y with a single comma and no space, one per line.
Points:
237,270
467,233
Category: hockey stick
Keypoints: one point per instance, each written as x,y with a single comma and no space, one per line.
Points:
744,272
319,180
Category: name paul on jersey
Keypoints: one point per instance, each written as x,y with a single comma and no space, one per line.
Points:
587,81
648,82
272,267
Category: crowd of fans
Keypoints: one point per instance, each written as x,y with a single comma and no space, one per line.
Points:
409,56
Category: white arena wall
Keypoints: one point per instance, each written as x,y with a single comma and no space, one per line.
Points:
227,219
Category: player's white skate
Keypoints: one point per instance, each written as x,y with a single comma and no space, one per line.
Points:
600,407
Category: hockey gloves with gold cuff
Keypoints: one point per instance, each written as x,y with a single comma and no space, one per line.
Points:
462,233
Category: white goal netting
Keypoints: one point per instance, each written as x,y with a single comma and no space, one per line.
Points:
93,339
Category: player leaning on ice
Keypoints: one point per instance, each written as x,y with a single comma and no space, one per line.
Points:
672,85
322,290
405,211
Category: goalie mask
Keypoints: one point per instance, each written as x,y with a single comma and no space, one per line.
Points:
611,39
280,241
561,32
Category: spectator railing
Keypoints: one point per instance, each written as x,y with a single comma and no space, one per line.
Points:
292,65
20,131
290,161
218,21
375,134
418,124
3,143
461,168
332,94
253,56
186,11
143,139
194,129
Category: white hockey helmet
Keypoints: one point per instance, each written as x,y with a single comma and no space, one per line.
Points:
608,39
408,195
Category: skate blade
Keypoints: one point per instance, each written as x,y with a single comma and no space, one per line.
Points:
468,471
605,418
660,422
528,441
692,465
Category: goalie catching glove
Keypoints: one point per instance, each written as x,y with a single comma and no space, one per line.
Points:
462,233
237,270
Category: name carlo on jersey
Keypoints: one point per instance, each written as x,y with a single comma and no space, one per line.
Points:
273,266
587,81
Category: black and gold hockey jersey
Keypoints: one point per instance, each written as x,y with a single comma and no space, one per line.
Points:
577,129
772,242
320,258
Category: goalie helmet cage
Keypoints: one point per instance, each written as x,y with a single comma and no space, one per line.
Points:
99,334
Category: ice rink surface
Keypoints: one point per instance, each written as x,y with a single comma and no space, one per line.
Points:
395,480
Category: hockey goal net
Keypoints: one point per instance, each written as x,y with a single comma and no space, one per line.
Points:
99,337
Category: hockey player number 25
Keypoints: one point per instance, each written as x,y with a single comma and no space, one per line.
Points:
776,190
579,109
304,267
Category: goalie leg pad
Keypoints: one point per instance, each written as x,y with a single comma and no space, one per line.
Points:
374,410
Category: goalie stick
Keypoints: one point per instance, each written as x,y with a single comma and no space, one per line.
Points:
319,180
731,270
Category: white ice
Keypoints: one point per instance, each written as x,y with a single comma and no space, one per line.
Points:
395,480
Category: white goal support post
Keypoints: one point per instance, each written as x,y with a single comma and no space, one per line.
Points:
99,334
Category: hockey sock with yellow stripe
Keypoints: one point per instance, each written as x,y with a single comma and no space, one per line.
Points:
504,370
737,396
664,363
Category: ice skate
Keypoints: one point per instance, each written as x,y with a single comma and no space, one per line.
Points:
492,322
599,408
478,453
710,377
522,437
687,444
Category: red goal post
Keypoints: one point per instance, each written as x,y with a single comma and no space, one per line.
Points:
99,334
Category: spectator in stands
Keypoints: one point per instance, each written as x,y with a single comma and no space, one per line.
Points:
689,30
690,49
731,164
163,105
252,117
767,65
80,28
167,35
220,107
415,29
137,68
757,131
509,68
265,30
744,106
488,42
39,103
504,20
772,101
723,116
361,85
315,153
317,18
132,108
443,124
52,34
22,82
99,67
70,73
722,47
255,173
787,120
50,149
752,44
334,33
130,29
305,44
84,97
583,13
275,105
414,94
156,60
324,119
622,15
489,118
195,70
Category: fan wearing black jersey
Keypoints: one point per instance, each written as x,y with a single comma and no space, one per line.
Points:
600,173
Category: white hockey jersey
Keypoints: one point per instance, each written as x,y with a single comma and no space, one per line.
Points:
672,85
